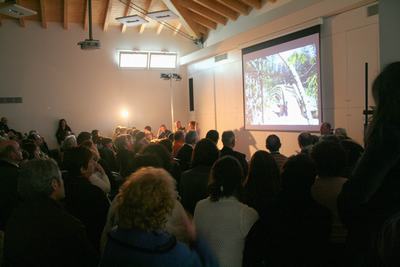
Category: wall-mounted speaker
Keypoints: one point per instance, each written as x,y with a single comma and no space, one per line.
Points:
191,95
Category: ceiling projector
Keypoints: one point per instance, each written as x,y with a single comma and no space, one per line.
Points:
89,44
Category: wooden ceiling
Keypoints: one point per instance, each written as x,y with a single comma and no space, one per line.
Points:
196,17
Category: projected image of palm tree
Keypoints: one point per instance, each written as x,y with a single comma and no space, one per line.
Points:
282,89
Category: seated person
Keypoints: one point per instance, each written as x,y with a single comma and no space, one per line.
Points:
273,144
163,132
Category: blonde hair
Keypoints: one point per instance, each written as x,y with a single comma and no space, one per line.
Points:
146,199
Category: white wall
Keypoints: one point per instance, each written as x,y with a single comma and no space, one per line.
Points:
348,40
58,80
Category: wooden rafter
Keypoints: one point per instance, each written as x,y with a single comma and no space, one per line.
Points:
237,6
159,28
43,13
219,8
66,7
86,16
126,13
202,20
253,3
107,15
195,28
21,20
147,8
208,13
178,27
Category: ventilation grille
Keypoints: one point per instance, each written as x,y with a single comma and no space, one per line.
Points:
220,57
372,10
10,100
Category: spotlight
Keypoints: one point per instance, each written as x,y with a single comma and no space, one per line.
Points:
124,113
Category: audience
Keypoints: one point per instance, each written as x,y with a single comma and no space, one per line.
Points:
40,232
273,144
179,127
148,133
305,141
194,182
295,231
184,154
228,140
143,205
10,157
179,141
84,200
3,125
372,193
124,155
63,131
213,135
263,183
221,218
163,132
326,129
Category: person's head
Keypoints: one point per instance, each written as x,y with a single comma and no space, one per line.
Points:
213,135
167,144
305,139
205,153
10,151
226,178
83,136
386,93
161,152
69,142
326,128
341,133
191,137
163,128
32,151
147,129
40,178
79,162
36,138
107,142
228,139
178,125
3,120
146,160
330,158
263,177
179,136
93,148
273,143
146,200
192,126
298,174
121,142
62,124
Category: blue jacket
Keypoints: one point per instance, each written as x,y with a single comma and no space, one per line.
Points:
139,248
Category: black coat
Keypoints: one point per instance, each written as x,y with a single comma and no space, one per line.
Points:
89,204
41,233
184,156
227,151
8,190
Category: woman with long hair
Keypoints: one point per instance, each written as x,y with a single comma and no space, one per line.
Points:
63,131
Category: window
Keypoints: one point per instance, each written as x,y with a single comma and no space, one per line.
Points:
162,61
133,60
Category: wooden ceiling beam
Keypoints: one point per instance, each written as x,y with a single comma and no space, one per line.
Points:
237,6
86,16
126,13
178,27
253,3
107,15
202,20
159,28
43,13
66,11
147,8
219,8
208,13
191,26
21,20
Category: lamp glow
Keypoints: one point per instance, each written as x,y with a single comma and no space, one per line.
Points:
124,113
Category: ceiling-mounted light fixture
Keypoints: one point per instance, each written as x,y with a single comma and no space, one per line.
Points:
133,20
10,8
89,44
162,15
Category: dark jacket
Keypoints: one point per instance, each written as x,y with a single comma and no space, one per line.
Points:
152,249
89,204
185,156
293,231
372,194
41,233
227,151
8,190
193,186
61,134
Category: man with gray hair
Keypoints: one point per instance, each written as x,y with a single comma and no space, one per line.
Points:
184,154
10,156
229,141
40,232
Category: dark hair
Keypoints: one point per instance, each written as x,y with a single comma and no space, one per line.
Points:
330,158
191,137
82,137
59,124
225,178
228,138
30,149
148,128
263,181
298,173
386,93
146,160
75,159
161,152
213,135
273,143
205,153
167,144
179,135
305,139
121,142
106,141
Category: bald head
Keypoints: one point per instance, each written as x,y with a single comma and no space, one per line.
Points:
10,151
